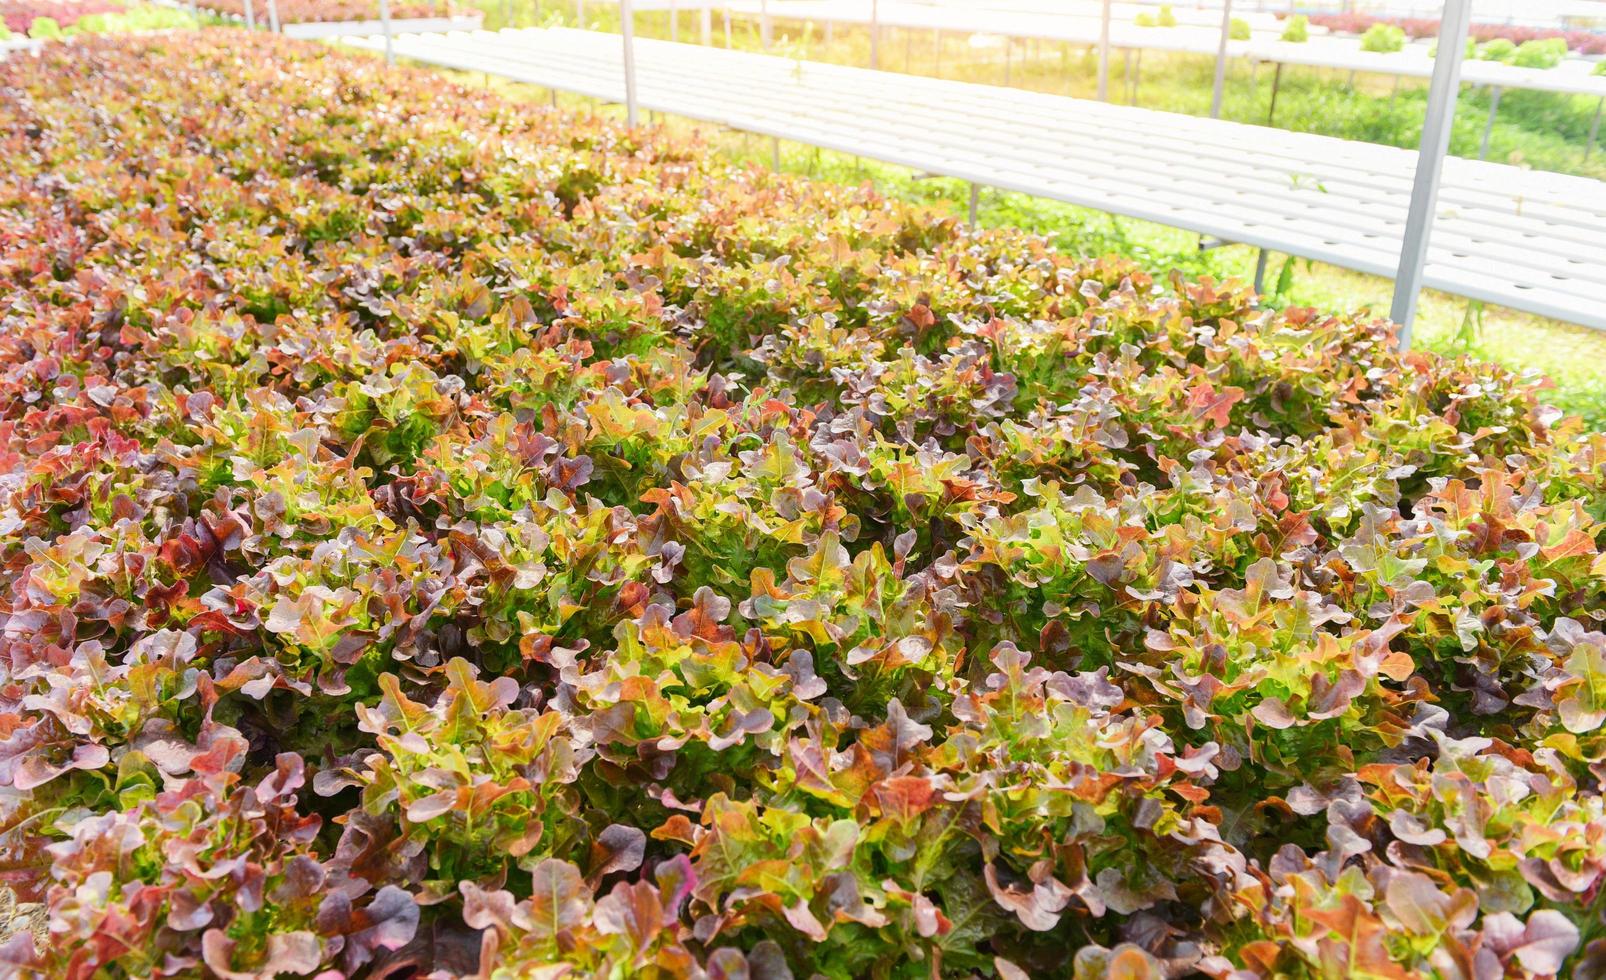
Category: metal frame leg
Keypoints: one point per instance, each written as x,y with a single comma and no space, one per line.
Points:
1488,128
1276,83
1594,129
1430,163
875,34
384,20
1104,54
975,199
627,30
1219,90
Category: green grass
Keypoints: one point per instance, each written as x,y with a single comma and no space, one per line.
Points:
1535,129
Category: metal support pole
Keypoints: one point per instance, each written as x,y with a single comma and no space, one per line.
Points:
775,153
1594,128
975,199
250,17
1137,76
1221,60
707,24
727,12
875,34
764,26
1488,127
627,27
273,16
195,11
1430,163
674,20
1260,273
1009,57
580,13
1104,54
1276,82
384,20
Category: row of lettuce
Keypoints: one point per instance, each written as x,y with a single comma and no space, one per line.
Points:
1522,49
312,11
50,19
104,19
18,16
447,535
1585,42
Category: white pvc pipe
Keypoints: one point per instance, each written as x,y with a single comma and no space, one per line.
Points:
250,17
1442,93
273,16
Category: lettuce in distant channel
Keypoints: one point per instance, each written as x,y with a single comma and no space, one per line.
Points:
315,11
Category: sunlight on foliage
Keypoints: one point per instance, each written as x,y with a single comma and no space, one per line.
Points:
448,537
